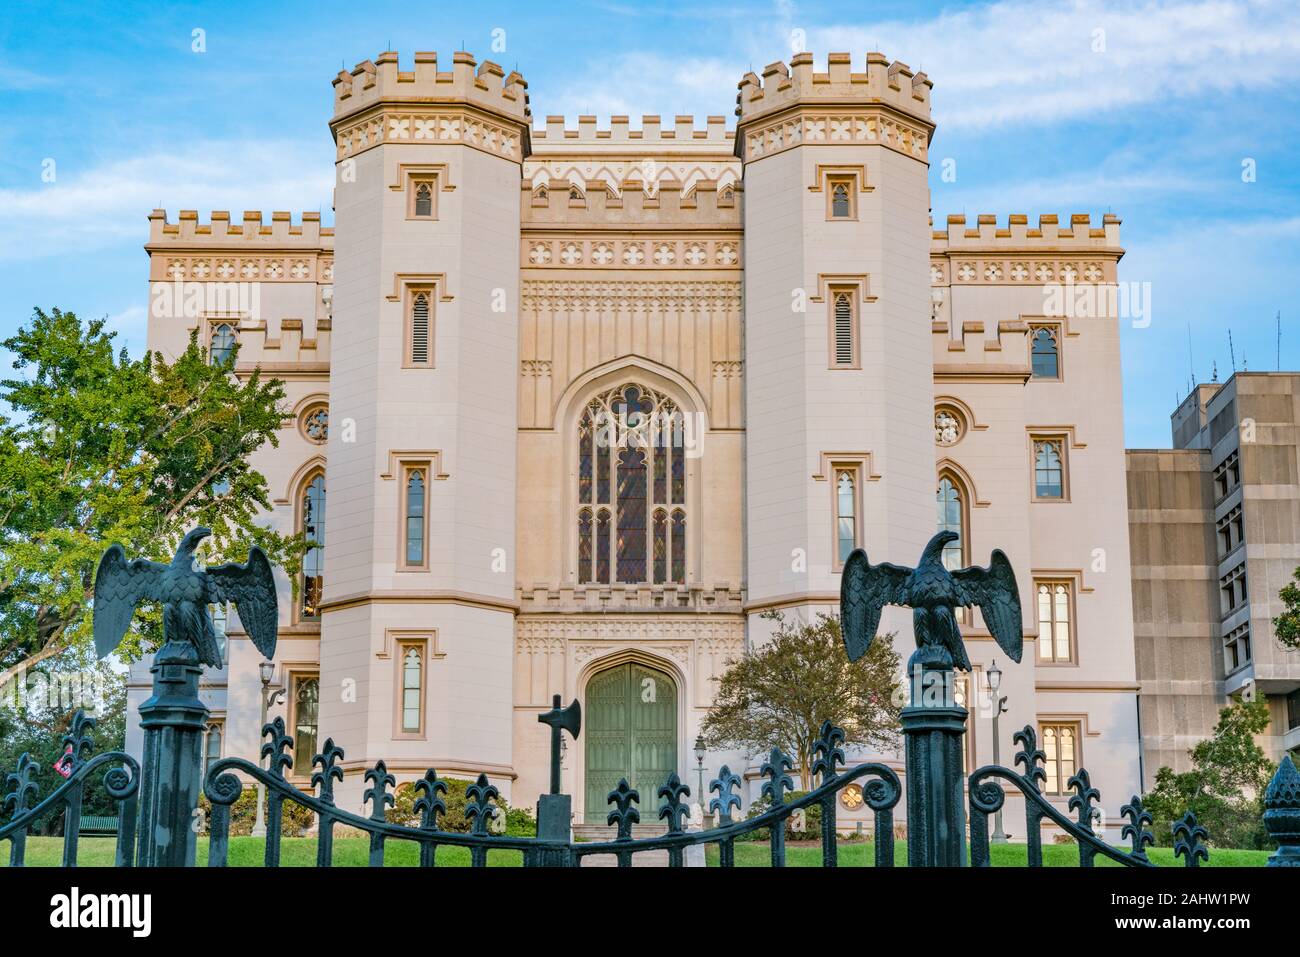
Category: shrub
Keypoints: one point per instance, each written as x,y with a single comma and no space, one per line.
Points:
519,821
812,819
295,820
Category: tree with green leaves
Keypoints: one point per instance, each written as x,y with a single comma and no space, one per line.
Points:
99,447
1286,626
1225,787
778,694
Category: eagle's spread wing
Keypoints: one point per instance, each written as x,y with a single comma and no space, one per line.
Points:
251,586
864,590
119,586
994,590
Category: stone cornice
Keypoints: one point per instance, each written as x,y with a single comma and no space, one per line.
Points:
689,250
430,124
694,295
810,125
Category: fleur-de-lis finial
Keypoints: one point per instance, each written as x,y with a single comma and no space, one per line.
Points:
674,810
78,740
1135,830
429,804
479,807
378,794
1082,799
329,772
828,751
23,782
778,782
1189,838
625,813
279,747
725,784
1031,756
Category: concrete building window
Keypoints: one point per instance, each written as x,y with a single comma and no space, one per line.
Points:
412,666
632,508
1046,359
1227,475
1061,745
305,722
221,344
1049,469
212,744
1232,590
419,329
415,519
1231,531
844,340
1055,621
1236,648
311,511
1293,710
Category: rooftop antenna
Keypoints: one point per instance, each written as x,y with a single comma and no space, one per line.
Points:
1244,367
1232,354
1214,371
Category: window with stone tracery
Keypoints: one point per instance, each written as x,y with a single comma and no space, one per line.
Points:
632,511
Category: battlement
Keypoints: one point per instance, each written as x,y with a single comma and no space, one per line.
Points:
220,231
382,80
891,83
600,201
678,136
1080,234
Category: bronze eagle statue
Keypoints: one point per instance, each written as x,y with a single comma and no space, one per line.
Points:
932,592
185,593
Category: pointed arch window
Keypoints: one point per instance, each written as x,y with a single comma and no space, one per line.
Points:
412,689
424,199
952,518
1045,352
221,344
846,512
305,723
419,329
632,508
1049,469
312,517
843,345
415,514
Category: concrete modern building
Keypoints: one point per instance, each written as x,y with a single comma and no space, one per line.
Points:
485,354
1215,531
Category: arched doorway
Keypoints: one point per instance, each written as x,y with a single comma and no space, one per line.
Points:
630,727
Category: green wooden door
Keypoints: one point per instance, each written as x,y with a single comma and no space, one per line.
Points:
631,732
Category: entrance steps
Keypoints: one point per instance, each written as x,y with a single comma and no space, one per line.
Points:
597,833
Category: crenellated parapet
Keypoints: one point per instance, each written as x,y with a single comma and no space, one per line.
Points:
1018,254
253,250
595,204
887,104
654,136
473,104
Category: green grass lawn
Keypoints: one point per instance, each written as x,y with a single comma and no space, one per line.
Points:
355,852
1004,855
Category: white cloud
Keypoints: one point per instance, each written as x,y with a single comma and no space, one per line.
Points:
1032,61
108,205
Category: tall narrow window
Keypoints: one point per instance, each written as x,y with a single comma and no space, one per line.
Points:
221,345
1060,744
306,717
631,517
844,353
1049,470
313,530
415,518
423,199
212,745
419,346
951,519
218,616
846,513
1045,357
1055,613
412,693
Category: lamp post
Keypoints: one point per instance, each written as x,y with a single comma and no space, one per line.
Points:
266,670
699,767
999,708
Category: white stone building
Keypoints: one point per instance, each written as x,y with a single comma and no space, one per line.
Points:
492,291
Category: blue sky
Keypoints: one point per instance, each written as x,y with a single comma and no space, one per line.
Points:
1145,109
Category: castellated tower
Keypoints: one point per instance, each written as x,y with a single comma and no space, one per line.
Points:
423,404
839,393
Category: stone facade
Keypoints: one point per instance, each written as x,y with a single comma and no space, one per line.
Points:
780,292
1215,527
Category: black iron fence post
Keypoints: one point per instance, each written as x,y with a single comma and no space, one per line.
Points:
174,721
933,724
